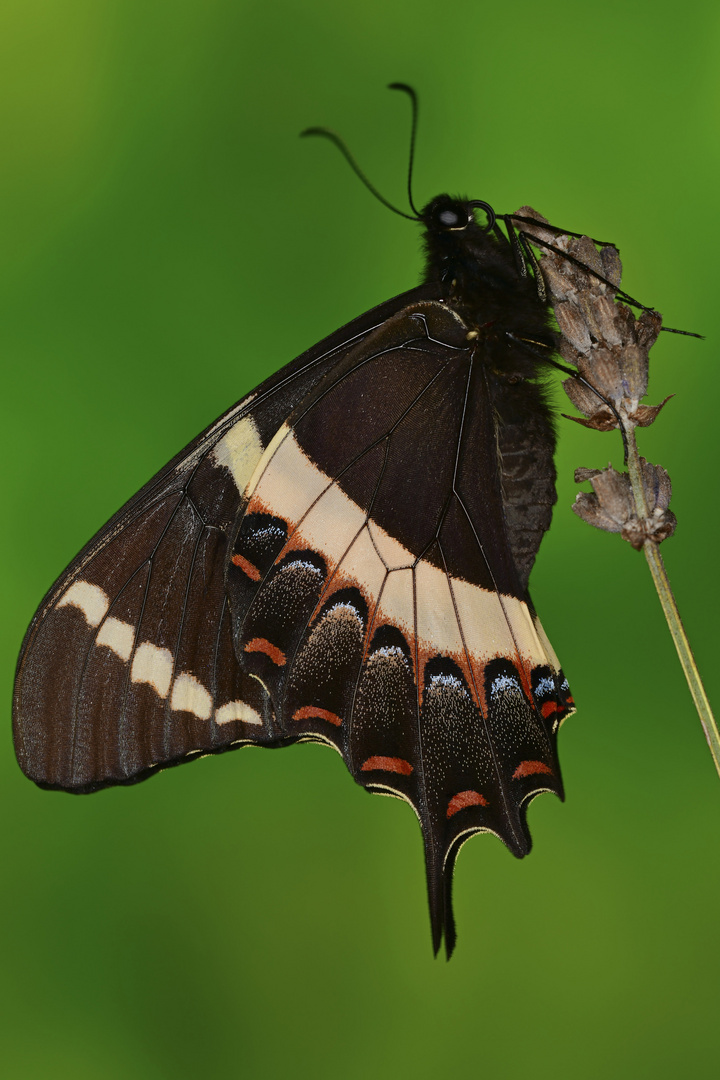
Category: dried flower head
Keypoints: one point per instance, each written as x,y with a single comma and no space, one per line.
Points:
599,336
611,505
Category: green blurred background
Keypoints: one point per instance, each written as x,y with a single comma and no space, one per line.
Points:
167,242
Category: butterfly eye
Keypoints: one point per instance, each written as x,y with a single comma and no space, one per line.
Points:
450,218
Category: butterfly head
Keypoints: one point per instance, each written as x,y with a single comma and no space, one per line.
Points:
466,251
445,214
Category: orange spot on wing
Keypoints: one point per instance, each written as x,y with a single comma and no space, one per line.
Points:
261,644
523,669
308,712
294,542
530,768
387,764
246,566
463,799
548,708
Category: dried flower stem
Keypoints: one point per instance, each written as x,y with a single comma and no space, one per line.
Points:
670,609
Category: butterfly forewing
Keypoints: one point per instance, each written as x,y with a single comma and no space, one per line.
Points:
129,663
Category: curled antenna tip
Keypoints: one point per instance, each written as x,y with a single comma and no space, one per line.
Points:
402,86
315,131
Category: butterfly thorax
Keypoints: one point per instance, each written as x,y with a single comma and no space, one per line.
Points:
481,280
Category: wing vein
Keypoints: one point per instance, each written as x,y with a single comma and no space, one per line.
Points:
181,628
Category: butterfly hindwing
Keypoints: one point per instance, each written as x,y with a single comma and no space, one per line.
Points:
387,619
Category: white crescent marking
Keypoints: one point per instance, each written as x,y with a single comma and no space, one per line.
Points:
118,636
239,451
189,695
91,599
237,710
154,666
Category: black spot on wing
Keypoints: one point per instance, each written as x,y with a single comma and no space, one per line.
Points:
326,666
552,697
456,757
384,720
259,540
268,635
525,750
455,746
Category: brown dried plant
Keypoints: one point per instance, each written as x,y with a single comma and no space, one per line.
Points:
607,349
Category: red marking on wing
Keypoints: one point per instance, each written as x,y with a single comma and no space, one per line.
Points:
261,644
530,768
548,708
246,567
294,542
463,799
308,712
569,700
387,764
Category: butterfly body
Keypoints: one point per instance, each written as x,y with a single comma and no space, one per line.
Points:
342,558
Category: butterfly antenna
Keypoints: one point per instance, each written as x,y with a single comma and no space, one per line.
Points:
413,132
326,133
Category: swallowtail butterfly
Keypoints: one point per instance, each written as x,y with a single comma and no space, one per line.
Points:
342,558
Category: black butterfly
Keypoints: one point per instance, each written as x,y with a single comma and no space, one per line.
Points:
342,558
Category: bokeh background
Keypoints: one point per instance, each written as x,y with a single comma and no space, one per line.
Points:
167,241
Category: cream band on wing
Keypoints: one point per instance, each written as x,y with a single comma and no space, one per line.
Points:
224,456
239,451
153,665
118,636
189,695
90,599
451,616
150,664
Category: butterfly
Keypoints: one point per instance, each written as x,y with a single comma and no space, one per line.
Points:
342,558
